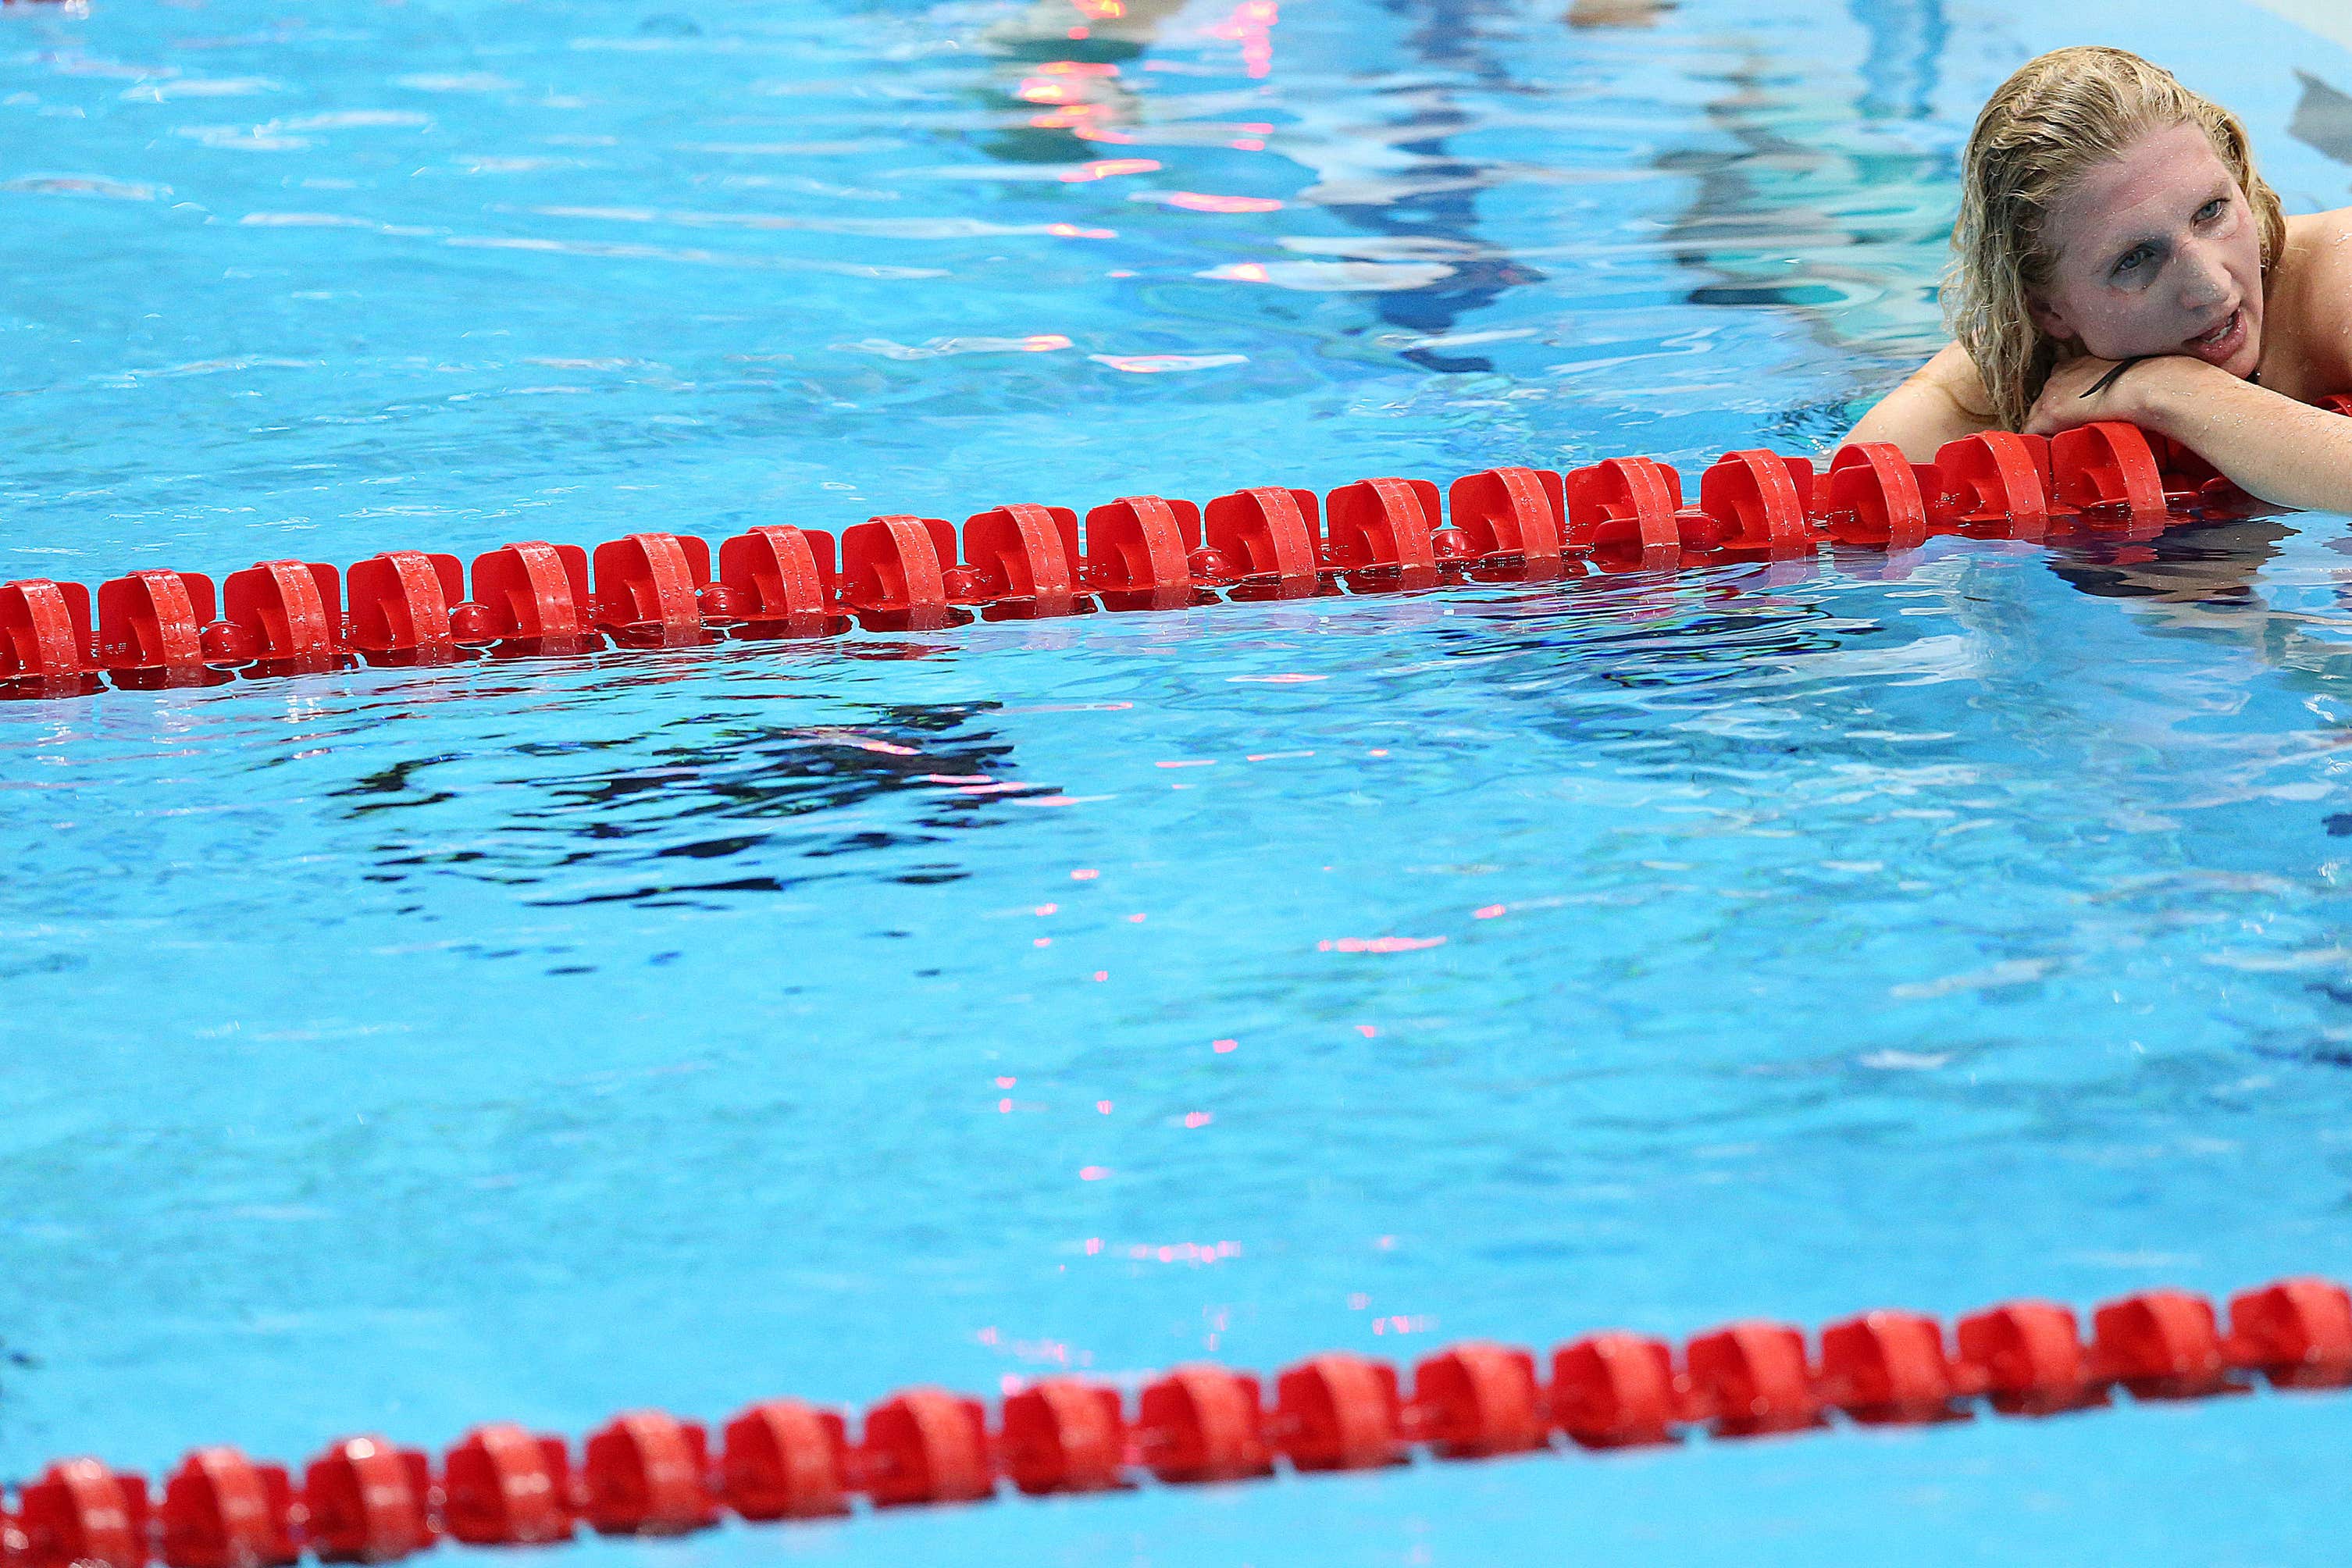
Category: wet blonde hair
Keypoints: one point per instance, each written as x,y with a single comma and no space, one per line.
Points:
2047,126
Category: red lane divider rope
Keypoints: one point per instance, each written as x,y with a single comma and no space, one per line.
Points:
161,628
646,1473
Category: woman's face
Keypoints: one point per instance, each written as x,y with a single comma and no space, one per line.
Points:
2157,254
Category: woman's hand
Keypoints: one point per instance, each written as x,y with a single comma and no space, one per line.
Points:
2144,393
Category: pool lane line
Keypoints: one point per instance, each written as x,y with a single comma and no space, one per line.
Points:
647,1473
158,628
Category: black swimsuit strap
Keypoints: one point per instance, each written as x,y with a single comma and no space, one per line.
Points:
2112,376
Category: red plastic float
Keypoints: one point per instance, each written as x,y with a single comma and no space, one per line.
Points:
364,1500
785,1459
401,603
2161,1344
1626,506
778,574
2027,1358
284,613
649,587
1203,1423
1870,495
222,1510
1750,1379
1887,1367
1265,537
926,1445
153,621
80,1512
1760,500
1026,552
1340,1412
2106,470
1064,1435
1138,552
1995,481
647,1473
1386,524
1517,512
1472,1401
45,631
1615,1390
2298,1332
533,591
502,1486
899,565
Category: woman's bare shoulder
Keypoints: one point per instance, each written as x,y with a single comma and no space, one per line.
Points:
2318,250
1942,401
1955,374
2311,304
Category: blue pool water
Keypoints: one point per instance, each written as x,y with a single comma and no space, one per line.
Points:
395,1050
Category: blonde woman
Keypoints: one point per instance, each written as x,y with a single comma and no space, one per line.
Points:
2118,257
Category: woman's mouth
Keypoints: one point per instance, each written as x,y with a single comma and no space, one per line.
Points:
2222,344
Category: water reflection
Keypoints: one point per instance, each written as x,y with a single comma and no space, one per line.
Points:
1435,215
1073,88
2208,563
2323,119
1906,50
695,811
1771,224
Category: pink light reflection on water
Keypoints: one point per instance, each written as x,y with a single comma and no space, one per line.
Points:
1250,25
1104,168
1203,202
1192,1252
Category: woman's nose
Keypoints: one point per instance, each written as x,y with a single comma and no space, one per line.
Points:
2204,277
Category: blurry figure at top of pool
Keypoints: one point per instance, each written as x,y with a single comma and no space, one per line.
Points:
1617,13
1082,29
1083,101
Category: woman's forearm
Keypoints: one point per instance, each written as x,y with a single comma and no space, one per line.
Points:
2270,446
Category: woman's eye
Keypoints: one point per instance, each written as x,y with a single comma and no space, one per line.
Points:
2211,209
2131,262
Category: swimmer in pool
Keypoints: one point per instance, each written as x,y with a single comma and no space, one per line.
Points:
2118,257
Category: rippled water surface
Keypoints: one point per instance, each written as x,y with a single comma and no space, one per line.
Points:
395,1050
